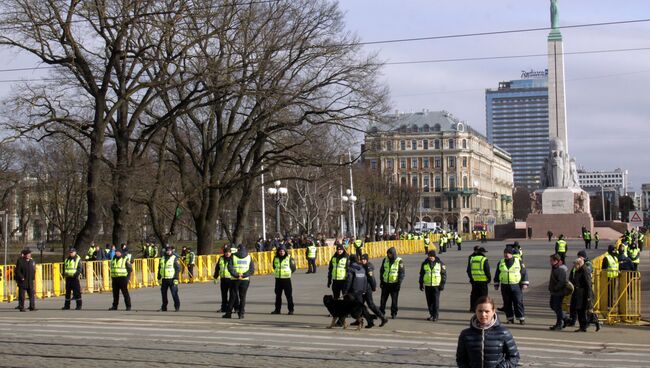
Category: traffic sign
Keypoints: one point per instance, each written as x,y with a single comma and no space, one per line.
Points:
636,218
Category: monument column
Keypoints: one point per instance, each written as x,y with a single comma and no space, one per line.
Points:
556,98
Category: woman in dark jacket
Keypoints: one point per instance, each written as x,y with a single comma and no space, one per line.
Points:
582,293
486,343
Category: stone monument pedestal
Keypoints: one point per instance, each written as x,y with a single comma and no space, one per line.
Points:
561,210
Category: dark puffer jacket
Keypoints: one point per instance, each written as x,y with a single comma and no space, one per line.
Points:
493,347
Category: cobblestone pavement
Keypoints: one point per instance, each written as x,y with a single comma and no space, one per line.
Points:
197,336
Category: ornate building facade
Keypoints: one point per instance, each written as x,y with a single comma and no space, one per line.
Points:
464,182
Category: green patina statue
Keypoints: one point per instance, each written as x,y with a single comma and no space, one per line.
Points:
555,18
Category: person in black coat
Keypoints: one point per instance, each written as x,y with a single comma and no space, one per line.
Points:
372,286
356,285
582,294
24,275
486,344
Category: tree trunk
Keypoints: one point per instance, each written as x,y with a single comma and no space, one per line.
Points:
121,191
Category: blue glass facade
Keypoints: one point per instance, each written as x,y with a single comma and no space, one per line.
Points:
517,121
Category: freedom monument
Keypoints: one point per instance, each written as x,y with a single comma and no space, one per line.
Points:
561,206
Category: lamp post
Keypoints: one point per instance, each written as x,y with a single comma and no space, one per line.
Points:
602,195
277,191
350,198
4,268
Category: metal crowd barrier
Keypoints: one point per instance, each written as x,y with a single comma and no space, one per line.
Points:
49,281
617,300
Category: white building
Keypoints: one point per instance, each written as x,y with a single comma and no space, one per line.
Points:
616,180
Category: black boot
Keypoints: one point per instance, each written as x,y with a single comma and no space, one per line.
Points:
78,305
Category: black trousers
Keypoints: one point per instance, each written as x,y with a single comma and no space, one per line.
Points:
21,297
164,286
587,244
311,265
562,256
367,298
513,301
337,288
556,305
479,289
121,284
432,294
359,252
280,286
391,290
226,294
238,297
72,287
190,271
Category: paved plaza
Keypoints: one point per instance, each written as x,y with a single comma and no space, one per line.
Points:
198,336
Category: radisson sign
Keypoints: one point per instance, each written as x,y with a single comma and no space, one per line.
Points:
534,74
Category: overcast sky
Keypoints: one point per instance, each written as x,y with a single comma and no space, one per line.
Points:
608,94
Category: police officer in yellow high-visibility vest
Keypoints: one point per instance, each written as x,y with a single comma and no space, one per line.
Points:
358,247
478,271
310,253
561,247
190,257
512,277
283,267
120,273
221,273
634,253
338,271
427,244
433,275
391,277
168,270
610,266
71,270
241,267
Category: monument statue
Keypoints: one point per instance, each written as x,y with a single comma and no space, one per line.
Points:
559,171
555,18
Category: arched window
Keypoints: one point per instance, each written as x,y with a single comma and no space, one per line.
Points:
465,143
425,128
414,128
436,128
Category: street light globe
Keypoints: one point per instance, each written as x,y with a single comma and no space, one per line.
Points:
277,183
344,198
283,190
348,191
272,191
353,198
476,183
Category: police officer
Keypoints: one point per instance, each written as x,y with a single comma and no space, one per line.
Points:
427,243
459,241
561,247
433,275
611,268
241,267
120,272
337,272
358,247
356,285
478,271
310,253
91,252
190,257
125,253
221,272
512,276
168,270
283,267
586,236
442,243
71,270
372,287
634,254
392,275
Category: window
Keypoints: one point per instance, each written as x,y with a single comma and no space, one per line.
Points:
437,202
425,144
426,202
465,185
389,164
414,144
389,145
402,145
436,144
437,184
465,143
452,144
402,163
451,162
425,162
373,164
414,181
414,163
402,180
437,162
452,182
425,183
464,161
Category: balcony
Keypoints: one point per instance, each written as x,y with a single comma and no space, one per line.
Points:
460,191
506,198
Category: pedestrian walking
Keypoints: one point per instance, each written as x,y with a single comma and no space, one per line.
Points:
372,287
168,271
241,267
120,273
583,295
511,276
586,236
561,247
311,252
478,271
337,271
550,235
433,275
24,275
486,343
283,267
596,239
392,274
558,286
72,269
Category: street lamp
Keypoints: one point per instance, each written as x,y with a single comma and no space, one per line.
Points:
602,195
349,197
277,192
4,269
